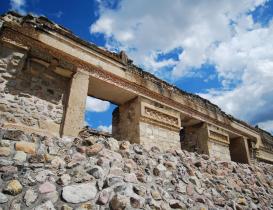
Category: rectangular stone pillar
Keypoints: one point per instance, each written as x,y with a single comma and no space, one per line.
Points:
239,150
125,121
144,122
75,108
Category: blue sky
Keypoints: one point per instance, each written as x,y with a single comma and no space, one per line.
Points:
221,50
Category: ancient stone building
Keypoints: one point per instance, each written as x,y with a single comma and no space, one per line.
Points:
46,73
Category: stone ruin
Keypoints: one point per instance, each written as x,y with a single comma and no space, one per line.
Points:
46,73
49,162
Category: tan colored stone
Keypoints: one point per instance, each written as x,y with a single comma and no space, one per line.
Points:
14,187
26,147
94,149
5,151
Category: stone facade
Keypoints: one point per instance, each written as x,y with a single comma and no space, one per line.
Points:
219,151
146,124
30,94
152,135
218,143
46,72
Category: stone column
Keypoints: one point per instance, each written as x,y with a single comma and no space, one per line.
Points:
75,108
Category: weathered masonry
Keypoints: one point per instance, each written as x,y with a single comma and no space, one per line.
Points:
46,73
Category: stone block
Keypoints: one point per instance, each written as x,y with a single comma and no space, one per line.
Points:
27,147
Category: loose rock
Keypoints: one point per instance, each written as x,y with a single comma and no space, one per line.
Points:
79,193
13,187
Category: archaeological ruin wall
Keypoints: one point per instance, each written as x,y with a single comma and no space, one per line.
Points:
46,73
31,95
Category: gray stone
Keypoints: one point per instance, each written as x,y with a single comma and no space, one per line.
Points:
111,180
5,162
159,170
15,135
96,172
20,156
43,175
4,143
30,197
52,196
79,193
176,204
112,144
64,179
103,197
138,149
195,181
3,198
58,163
66,207
130,178
48,205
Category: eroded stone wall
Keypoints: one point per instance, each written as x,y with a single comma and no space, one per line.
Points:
152,135
218,143
218,150
30,93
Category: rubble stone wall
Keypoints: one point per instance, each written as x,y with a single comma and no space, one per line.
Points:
30,94
39,172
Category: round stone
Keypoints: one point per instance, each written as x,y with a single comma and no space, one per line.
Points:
79,193
14,187
103,197
30,197
119,202
45,206
47,187
20,156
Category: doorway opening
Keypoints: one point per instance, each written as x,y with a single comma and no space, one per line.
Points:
98,114
239,150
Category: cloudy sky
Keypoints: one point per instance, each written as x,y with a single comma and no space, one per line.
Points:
221,50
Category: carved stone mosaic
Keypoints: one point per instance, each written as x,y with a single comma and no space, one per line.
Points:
159,115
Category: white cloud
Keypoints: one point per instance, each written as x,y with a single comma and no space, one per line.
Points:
96,105
104,128
221,33
248,59
150,27
18,5
267,125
